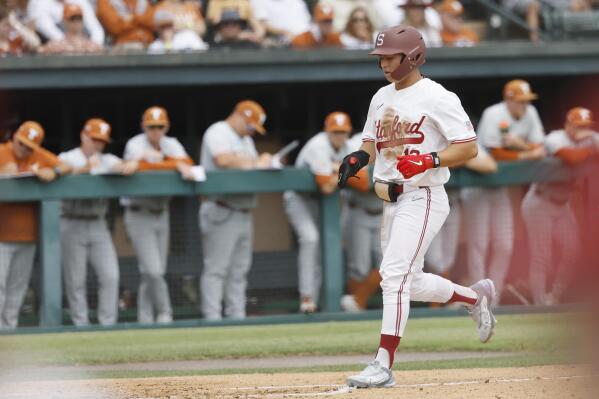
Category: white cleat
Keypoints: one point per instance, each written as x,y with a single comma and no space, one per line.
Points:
373,376
481,312
307,306
349,304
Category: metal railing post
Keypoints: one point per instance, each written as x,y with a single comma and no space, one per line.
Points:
330,233
49,255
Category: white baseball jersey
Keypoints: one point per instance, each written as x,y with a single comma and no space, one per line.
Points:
318,155
428,118
136,149
219,139
528,128
76,159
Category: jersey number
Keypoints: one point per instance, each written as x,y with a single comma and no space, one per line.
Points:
407,151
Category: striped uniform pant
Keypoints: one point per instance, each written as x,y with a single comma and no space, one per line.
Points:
408,228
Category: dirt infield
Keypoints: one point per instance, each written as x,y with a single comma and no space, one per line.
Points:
531,382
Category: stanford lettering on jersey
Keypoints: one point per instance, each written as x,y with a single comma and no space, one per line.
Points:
398,133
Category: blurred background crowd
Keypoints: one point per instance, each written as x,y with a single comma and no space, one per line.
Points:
163,26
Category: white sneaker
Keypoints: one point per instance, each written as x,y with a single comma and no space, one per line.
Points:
349,304
481,312
373,376
164,318
307,306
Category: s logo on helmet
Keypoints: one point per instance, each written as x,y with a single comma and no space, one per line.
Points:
379,39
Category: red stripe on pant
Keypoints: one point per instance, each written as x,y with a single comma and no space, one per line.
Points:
399,302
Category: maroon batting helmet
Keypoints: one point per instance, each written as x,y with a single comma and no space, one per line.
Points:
404,40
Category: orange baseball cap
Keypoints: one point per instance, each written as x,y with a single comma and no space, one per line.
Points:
71,10
155,116
416,4
323,12
451,7
31,134
337,122
97,129
518,90
580,117
253,113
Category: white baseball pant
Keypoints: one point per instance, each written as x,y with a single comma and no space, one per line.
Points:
442,252
363,242
16,263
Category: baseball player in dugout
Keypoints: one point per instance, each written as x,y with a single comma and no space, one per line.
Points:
509,130
226,220
362,238
414,132
548,212
22,155
84,234
322,155
147,219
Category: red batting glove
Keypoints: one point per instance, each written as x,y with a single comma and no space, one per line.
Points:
411,165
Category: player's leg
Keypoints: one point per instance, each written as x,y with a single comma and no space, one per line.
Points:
538,218
476,221
241,261
17,283
162,300
7,251
567,236
303,218
358,257
502,238
73,244
103,258
218,248
414,221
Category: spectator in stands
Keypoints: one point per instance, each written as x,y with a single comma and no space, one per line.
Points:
19,9
454,32
343,8
48,15
415,16
359,32
15,37
392,13
254,31
188,23
169,39
18,230
129,22
321,33
282,19
75,40
229,32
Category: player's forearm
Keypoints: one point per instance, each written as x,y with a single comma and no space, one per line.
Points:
458,153
368,146
234,161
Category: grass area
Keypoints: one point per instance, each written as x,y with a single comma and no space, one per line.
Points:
515,333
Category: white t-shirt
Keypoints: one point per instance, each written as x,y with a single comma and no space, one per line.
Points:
136,150
219,139
291,15
392,14
428,118
529,127
76,159
318,155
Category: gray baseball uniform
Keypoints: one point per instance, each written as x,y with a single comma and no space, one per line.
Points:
318,155
85,238
227,230
16,263
551,223
147,224
363,227
442,252
490,216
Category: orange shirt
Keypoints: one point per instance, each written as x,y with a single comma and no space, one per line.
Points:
19,220
123,21
465,37
308,40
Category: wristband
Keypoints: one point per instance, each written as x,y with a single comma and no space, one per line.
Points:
436,160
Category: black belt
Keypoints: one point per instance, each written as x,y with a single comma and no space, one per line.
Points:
137,208
223,204
388,191
80,217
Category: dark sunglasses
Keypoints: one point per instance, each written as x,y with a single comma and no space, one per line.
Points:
359,19
76,18
152,127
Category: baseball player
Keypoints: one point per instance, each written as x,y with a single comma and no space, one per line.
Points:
510,130
84,233
147,219
322,155
547,208
415,130
363,243
442,252
226,220
19,227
